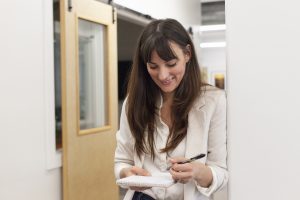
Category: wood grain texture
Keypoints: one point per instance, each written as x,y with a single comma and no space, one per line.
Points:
87,158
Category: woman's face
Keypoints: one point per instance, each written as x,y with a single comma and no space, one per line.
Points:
168,74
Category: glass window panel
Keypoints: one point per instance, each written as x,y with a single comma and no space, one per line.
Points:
57,72
92,75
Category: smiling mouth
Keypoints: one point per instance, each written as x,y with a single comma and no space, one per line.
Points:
167,82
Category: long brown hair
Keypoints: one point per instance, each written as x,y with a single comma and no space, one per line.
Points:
143,93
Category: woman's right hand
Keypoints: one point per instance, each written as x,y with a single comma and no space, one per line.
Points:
130,171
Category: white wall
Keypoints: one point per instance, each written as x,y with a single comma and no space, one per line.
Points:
214,58
22,111
186,12
263,99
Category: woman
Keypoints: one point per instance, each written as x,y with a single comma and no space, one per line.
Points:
170,115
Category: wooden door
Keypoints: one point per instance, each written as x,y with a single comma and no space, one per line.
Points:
89,96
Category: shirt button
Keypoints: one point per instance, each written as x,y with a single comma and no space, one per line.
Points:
163,167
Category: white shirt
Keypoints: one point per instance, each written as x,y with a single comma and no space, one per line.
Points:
160,163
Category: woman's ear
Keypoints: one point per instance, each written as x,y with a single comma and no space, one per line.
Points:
187,53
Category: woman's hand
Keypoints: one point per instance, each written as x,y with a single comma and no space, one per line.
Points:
130,171
184,173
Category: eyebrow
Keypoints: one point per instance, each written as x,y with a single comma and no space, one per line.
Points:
165,61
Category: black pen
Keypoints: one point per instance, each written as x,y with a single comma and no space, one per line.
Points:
190,160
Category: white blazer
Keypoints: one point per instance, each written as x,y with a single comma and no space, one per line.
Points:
206,134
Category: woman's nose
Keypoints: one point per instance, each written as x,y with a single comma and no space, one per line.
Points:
163,73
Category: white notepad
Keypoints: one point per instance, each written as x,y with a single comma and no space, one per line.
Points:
157,180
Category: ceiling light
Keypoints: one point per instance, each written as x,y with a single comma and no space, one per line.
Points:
212,44
220,27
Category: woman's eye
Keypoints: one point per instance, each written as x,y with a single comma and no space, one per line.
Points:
171,64
152,66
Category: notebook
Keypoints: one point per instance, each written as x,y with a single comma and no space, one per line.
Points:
156,180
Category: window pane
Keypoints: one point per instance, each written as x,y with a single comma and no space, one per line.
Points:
57,72
92,75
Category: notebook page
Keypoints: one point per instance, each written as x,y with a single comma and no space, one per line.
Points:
156,180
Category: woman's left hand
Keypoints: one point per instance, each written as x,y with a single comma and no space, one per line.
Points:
184,173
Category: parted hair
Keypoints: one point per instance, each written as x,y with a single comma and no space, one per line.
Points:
143,93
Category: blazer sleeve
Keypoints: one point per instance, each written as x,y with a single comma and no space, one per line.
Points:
124,153
217,147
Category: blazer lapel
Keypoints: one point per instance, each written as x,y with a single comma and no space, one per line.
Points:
194,139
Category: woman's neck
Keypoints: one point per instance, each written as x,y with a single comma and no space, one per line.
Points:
167,98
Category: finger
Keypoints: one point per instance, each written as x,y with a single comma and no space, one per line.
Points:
174,161
139,171
125,172
182,167
177,159
175,178
134,170
180,175
144,172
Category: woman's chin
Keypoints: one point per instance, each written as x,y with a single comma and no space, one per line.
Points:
167,90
